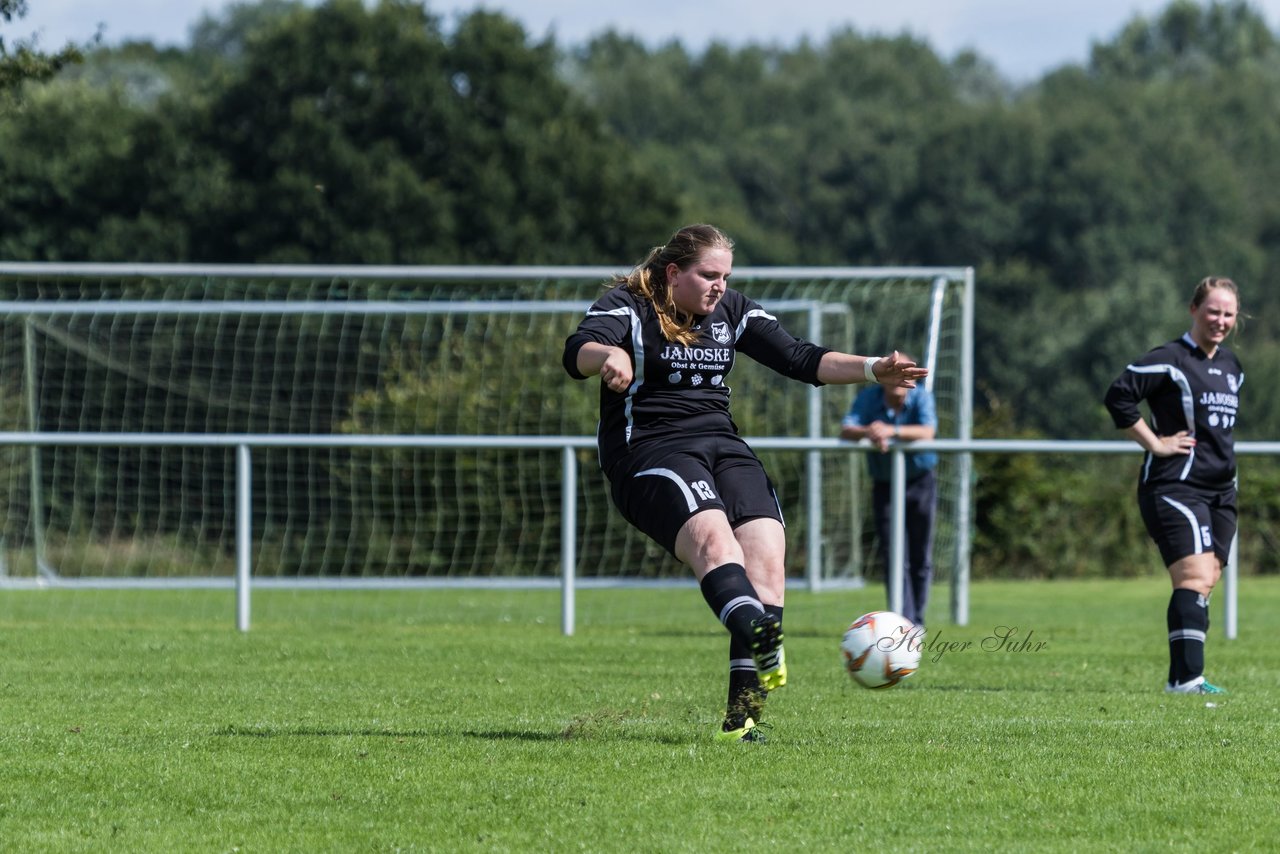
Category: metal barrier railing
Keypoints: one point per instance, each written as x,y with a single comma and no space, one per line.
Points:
569,445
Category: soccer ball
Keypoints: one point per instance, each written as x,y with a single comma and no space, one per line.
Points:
881,649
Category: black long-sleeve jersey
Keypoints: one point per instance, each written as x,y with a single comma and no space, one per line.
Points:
679,390
1185,390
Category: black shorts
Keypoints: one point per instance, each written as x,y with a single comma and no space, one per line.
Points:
662,484
1185,522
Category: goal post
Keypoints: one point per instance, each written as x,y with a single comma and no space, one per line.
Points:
350,352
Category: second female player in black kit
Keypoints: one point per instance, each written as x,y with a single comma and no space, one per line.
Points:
1187,484
663,340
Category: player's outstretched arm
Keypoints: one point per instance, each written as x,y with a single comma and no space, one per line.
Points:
845,368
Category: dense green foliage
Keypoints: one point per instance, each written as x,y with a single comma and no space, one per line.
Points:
449,720
1090,201
24,59
329,134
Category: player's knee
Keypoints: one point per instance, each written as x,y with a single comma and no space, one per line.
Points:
1198,576
705,548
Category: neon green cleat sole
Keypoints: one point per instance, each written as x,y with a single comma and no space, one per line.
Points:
775,676
750,731
766,650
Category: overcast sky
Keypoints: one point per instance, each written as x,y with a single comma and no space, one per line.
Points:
1024,38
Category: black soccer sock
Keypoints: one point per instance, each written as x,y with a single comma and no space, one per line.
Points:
732,599
1188,619
746,697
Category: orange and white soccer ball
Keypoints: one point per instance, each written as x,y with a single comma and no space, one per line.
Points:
881,649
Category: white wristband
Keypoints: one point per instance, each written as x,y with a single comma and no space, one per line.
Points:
868,368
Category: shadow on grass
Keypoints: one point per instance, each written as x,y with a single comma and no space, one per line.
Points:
577,733
309,732
578,730
716,632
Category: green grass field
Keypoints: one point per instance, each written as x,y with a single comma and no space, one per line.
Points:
464,720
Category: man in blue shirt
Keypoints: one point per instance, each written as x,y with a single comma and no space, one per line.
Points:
882,415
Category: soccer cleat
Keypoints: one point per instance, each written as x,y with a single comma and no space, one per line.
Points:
766,650
750,731
1195,686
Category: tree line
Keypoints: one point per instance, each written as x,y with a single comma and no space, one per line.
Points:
1090,201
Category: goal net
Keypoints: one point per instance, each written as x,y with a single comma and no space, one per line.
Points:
147,351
